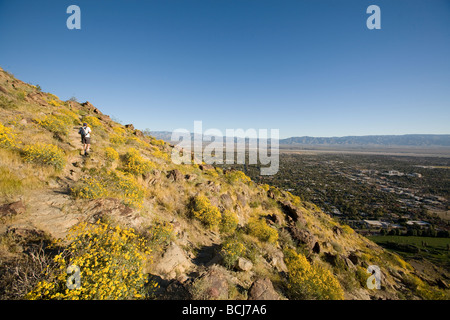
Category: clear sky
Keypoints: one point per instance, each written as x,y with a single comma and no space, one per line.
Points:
304,67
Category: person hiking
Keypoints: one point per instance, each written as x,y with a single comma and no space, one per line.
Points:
85,132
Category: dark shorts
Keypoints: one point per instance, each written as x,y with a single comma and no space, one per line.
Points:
86,140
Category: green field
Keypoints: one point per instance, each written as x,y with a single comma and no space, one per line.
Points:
433,249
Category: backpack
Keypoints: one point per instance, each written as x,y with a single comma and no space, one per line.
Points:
82,132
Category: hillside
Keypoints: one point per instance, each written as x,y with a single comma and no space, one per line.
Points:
138,226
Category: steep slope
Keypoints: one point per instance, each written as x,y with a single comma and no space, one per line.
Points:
193,231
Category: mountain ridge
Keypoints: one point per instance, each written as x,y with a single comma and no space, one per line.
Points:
410,140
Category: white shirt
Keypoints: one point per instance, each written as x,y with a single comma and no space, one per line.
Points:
87,130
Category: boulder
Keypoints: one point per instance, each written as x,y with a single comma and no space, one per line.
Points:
90,107
204,167
262,289
243,264
305,237
190,177
173,261
138,133
175,175
337,230
227,201
129,126
214,283
12,209
277,261
293,212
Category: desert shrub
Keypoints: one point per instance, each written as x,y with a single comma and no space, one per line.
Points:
306,281
156,142
111,154
259,229
90,188
347,229
136,164
119,130
8,139
231,250
117,139
113,184
44,154
58,124
70,116
10,183
92,121
203,210
160,234
229,222
160,154
54,103
422,289
21,95
133,140
6,103
237,176
111,264
362,276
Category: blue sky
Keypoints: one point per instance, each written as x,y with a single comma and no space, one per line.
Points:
304,67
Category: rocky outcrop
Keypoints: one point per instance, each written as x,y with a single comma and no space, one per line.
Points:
304,236
243,264
262,289
293,212
227,201
175,175
214,284
174,261
87,105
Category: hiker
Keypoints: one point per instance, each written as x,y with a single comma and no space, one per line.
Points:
85,132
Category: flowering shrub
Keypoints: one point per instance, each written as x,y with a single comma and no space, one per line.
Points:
229,222
92,121
161,234
70,116
156,142
204,211
54,103
310,282
111,263
232,249
58,124
7,138
138,142
347,229
119,130
117,139
111,154
236,176
160,154
90,188
110,184
259,229
136,164
45,154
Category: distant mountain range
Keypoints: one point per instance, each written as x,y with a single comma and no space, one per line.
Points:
410,140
